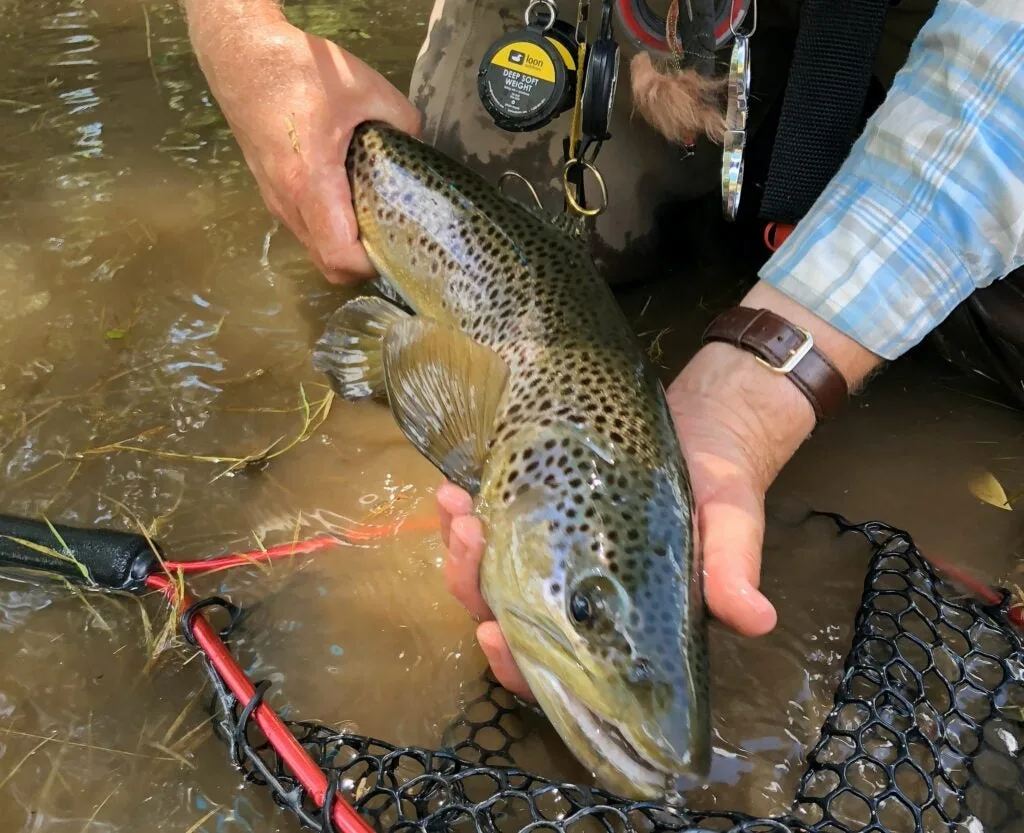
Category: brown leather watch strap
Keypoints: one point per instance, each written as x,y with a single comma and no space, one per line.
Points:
786,349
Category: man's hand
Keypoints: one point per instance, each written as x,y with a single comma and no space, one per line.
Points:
739,424
292,101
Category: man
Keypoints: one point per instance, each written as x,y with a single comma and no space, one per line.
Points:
928,207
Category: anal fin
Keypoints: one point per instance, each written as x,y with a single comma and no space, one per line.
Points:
349,351
445,391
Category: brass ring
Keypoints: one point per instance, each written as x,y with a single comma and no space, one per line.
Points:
526,182
579,209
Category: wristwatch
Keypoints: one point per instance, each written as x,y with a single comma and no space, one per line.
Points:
785,349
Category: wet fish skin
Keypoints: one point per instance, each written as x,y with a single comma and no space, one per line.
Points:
520,378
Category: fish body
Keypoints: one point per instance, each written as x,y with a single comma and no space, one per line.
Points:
519,377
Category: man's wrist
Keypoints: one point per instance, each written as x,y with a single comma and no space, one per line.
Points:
851,359
765,411
768,417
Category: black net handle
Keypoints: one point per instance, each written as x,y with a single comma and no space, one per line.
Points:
104,558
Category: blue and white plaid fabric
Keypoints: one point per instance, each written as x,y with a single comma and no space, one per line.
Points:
929,206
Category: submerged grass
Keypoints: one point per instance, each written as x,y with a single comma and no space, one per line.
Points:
75,591
42,472
165,637
149,46
26,423
99,807
176,723
189,741
654,350
45,739
176,756
53,776
26,757
313,417
208,815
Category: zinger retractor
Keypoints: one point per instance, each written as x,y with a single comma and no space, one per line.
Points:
528,77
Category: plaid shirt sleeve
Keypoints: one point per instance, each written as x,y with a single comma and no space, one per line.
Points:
929,206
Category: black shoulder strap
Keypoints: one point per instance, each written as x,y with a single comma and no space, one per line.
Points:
828,83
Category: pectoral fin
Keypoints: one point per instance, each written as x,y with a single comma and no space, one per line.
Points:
349,351
445,391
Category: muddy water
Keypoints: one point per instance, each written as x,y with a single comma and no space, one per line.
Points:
156,325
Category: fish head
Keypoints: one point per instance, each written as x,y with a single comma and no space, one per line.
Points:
602,607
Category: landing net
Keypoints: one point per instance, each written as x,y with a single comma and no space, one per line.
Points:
924,736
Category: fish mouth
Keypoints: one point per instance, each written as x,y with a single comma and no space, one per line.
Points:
616,746
630,764
622,765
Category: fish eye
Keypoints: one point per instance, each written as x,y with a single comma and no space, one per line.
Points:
593,601
580,608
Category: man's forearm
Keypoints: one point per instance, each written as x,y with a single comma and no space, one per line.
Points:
234,42
204,16
929,205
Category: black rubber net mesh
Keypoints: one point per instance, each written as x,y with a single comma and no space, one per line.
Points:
924,735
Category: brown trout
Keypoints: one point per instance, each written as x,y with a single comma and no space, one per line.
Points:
513,370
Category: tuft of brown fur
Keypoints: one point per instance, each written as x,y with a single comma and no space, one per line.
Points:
679,104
